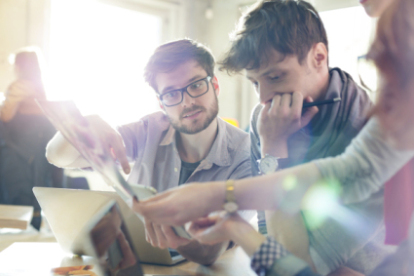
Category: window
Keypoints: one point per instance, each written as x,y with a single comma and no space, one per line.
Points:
97,54
349,33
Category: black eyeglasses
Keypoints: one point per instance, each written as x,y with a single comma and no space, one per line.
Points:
194,90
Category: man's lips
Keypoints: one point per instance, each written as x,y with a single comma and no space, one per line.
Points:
191,114
363,1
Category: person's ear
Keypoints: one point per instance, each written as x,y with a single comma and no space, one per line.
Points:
160,103
319,56
216,85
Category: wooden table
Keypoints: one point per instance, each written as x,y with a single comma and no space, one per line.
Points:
34,258
10,236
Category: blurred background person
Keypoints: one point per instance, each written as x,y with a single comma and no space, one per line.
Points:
24,133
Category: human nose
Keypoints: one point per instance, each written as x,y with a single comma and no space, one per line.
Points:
187,99
264,94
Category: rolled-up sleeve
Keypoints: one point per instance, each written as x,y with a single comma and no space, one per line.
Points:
367,163
134,137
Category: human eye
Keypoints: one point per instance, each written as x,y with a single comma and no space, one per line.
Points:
196,85
170,95
255,84
275,78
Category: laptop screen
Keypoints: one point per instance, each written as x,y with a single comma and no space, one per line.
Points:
113,246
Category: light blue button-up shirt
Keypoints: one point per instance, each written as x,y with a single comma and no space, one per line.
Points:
150,143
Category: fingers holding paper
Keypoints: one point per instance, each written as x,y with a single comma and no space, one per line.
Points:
182,204
223,227
212,229
111,139
163,236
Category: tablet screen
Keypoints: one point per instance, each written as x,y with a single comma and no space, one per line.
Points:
113,246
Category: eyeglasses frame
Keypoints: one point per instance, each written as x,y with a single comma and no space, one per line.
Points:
184,89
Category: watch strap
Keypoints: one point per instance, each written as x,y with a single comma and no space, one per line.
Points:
230,196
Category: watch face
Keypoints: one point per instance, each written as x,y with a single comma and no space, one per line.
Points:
268,164
231,207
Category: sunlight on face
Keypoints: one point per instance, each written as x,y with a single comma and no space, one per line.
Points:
97,57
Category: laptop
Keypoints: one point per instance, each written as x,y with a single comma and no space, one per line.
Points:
106,238
68,211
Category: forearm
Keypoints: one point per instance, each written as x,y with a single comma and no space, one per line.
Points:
8,109
202,253
62,154
367,163
247,238
277,149
267,192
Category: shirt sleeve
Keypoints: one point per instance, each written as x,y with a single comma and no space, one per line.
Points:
134,136
273,259
242,171
367,163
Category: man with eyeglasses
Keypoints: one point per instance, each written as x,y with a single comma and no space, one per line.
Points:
186,142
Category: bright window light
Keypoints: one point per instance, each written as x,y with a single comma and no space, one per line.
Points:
97,55
349,33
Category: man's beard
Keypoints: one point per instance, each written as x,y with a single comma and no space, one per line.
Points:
188,129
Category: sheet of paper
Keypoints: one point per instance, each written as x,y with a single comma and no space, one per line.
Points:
66,118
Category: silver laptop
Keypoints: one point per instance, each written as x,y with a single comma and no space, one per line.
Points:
68,211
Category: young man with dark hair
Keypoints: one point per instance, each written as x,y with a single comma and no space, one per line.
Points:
186,142
283,48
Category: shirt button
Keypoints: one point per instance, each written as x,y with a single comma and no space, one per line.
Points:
175,169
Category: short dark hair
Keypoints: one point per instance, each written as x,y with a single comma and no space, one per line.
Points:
290,27
170,55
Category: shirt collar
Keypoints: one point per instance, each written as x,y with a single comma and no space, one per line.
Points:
219,153
169,137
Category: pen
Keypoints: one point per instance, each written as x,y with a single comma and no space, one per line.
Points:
331,101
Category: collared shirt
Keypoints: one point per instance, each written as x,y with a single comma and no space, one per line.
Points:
151,143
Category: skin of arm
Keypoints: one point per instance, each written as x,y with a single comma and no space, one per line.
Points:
62,154
222,227
8,109
190,202
204,254
17,92
163,236
244,235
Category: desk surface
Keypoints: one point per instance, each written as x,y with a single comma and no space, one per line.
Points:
10,236
34,258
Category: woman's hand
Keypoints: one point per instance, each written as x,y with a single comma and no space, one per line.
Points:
215,228
183,204
224,227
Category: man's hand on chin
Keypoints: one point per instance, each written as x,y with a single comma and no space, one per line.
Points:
280,117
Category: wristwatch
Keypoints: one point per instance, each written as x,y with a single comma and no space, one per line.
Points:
230,205
268,164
